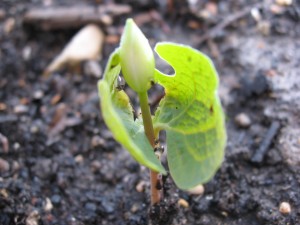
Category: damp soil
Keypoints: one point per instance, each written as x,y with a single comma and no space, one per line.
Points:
59,164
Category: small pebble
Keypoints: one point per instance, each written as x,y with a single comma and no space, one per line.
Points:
20,109
26,53
183,203
4,165
2,14
140,187
79,159
112,39
16,146
135,208
34,129
15,166
225,214
4,193
95,166
33,218
106,134
198,190
37,95
9,25
3,106
242,120
285,208
90,206
264,27
56,199
277,9
4,142
107,207
205,220
97,141
48,206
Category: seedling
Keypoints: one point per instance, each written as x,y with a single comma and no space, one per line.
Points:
190,111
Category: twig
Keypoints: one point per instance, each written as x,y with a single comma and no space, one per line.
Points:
263,148
74,16
212,33
156,193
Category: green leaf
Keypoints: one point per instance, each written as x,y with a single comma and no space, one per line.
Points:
118,116
191,114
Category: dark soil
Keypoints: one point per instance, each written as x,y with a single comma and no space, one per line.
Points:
60,165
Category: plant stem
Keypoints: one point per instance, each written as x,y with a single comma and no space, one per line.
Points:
148,126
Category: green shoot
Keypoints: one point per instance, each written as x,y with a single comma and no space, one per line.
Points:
190,112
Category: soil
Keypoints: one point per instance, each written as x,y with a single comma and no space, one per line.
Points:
59,164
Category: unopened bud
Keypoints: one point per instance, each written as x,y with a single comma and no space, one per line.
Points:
137,59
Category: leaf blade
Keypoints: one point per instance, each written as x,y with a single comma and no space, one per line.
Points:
191,114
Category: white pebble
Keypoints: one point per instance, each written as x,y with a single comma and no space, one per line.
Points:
26,53
285,208
38,94
33,218
48,206
242,120
20,109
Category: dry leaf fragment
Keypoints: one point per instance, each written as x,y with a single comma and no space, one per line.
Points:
85,45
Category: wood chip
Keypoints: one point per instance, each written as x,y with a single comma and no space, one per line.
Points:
55,99
85,45
183,203
9,25
140,187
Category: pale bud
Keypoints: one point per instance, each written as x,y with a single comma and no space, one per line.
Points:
137,59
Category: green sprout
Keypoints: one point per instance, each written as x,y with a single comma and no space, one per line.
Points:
190,112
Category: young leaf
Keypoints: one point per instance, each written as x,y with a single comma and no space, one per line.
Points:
118,116
191,114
